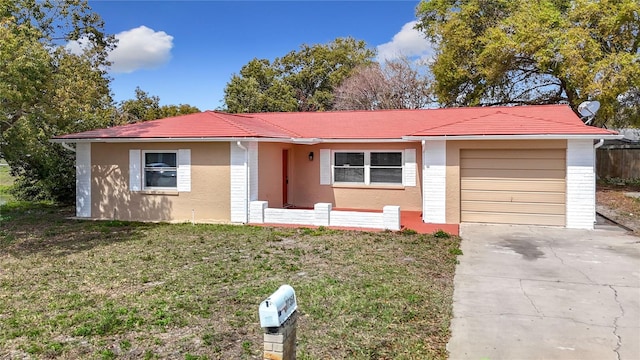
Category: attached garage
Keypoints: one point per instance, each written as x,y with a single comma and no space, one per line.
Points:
518,186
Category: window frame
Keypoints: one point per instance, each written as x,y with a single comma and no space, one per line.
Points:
145,168
368,167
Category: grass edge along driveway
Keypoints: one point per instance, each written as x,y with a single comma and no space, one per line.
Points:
113,289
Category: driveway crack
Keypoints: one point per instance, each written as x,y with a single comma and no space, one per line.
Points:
530,300
615,322
569,266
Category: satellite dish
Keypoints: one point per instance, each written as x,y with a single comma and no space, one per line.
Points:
588,110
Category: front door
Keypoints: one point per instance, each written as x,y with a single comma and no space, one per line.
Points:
285,177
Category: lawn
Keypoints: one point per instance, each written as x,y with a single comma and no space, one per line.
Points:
111,289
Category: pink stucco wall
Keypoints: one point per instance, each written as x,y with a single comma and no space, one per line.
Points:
304,179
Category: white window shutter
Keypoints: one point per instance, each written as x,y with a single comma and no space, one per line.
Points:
135,174
410,168
325,167
184,170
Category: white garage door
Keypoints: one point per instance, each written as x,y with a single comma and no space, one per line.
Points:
513,186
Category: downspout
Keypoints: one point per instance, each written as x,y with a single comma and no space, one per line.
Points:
596,146
66,146
246,176
595,170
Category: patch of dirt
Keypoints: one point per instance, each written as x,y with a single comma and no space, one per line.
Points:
612,202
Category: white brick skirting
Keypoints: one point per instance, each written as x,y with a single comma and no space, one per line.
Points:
323,215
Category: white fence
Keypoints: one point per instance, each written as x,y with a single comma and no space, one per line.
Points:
323,215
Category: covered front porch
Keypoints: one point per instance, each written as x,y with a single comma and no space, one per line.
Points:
298,185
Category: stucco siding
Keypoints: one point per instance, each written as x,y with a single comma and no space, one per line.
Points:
254,178
305,188
270,172
581,184
208,200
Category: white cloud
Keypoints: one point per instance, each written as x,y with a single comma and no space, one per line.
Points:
77,46
408,42
138,48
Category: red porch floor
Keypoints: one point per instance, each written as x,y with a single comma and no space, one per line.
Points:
413,220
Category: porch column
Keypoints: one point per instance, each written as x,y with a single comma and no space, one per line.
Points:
244,179
581,184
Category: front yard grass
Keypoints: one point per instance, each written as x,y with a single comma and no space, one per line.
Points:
112,289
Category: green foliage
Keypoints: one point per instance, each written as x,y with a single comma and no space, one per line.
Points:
441,234
633,183
301,80
145,107
45,90
407,231
259,88
6,183
505,52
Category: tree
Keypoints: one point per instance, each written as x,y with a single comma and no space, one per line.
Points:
145,107
259,88
176,110
396,85
46,91
299,81
512,52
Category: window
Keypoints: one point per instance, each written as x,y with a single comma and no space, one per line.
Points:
160,170
368,167
349,167
386,167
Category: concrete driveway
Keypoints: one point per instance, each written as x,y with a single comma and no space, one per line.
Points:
527,292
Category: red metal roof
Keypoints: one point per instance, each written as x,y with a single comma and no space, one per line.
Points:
521,120
381,124
208,124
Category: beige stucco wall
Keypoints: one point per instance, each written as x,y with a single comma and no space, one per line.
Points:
304,179
453,165
208,201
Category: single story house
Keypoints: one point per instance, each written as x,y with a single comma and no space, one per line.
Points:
512,165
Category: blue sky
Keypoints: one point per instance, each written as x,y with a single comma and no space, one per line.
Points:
186,51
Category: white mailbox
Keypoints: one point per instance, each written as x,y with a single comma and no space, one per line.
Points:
278,307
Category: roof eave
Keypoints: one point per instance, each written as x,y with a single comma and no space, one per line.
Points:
515,137
167,139
300,141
